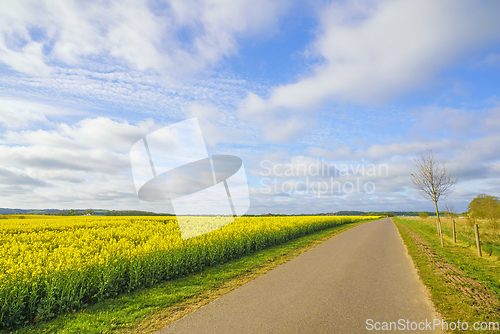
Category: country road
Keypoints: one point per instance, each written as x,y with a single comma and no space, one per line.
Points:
335,287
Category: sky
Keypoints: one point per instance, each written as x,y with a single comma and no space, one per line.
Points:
327,103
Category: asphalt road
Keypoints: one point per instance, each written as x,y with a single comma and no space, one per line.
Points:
336,287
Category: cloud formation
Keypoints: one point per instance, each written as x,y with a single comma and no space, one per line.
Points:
16,113
82,82
175,37
69,162
372,52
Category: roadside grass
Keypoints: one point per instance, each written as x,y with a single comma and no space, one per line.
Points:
148,309
463,254
448,294
489,234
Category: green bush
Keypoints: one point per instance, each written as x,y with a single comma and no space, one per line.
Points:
423,215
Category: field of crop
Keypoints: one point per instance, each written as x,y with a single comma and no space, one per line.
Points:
53,265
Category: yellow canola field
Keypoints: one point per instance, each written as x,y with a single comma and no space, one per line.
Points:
55,264
33,247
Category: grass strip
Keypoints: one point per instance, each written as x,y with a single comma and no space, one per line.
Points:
437,265
148,309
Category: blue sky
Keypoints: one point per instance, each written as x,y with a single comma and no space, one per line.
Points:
344,85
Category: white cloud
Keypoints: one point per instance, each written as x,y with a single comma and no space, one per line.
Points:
70,163
303,184
491,123
295,179
50,158
116,93
22,114
455,122
175,37
375,51
217,126
102,132
283,129
379,152
82,164
86,164
18,177
480,150
94,133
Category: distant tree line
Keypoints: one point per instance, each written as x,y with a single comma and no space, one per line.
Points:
384,213
135,213
6,211
73,212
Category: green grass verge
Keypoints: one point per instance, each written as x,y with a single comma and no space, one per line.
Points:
450,302
149,309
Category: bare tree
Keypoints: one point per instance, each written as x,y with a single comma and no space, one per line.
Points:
433,182
450,211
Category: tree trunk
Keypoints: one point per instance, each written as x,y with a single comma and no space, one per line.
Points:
440,231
